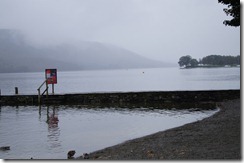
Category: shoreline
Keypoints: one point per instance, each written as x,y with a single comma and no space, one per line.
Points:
214,138
216,66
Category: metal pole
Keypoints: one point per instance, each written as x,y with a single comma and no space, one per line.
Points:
47,89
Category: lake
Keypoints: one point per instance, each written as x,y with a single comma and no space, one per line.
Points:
50,132
132,80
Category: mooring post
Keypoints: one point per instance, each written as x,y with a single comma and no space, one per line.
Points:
16,90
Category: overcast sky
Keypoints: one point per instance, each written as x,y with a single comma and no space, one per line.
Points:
159,29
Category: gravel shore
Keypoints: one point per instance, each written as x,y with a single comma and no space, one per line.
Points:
215,138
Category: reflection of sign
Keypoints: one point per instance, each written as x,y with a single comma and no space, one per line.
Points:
51,76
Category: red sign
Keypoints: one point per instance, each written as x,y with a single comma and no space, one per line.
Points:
51,76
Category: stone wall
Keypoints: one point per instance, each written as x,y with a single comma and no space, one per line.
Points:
124,99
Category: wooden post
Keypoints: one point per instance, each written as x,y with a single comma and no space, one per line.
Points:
16,90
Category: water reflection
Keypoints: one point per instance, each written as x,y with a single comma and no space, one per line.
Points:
52,121
49,132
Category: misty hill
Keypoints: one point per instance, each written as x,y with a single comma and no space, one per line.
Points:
17,55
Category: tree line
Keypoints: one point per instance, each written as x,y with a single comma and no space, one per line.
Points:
210,60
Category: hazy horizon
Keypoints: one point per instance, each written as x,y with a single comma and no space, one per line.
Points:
162,30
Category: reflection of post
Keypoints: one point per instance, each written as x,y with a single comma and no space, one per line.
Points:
53,130
40,110
48,114
53,119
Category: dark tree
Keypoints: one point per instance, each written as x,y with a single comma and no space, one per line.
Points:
184,60
219,60
232,10
194,63
210,60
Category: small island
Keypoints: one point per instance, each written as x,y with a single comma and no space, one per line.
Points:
210,61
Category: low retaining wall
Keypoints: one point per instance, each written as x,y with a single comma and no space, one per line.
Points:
126,98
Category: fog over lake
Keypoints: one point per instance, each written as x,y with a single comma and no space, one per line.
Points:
105,46
125,80
93,34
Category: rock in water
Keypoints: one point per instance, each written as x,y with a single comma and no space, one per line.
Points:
86,156
70,154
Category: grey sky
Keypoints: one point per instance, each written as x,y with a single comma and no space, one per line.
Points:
159,29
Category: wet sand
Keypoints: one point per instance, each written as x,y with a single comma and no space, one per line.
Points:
215,138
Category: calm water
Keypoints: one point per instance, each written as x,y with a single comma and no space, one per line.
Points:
157,79
34,132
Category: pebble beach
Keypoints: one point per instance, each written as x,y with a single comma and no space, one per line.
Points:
214,138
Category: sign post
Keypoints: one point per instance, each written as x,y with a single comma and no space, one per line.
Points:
53,88
51,77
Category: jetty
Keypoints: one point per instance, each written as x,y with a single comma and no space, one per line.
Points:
123,99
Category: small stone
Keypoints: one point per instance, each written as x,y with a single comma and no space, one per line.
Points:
86,156
70,154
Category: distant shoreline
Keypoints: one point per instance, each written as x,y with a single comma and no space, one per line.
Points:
212,66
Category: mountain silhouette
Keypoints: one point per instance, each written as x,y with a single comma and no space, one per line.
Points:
18,55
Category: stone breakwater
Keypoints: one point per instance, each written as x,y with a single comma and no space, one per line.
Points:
124,99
